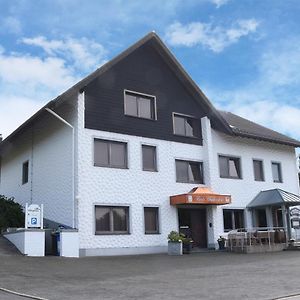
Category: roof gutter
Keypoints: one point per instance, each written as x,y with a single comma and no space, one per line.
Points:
73,161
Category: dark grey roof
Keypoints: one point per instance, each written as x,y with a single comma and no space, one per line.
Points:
245,128
274,197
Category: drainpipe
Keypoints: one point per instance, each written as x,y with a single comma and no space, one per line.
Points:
73,160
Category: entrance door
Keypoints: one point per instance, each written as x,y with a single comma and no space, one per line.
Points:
195,219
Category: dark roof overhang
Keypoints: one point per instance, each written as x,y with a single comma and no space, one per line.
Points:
274,197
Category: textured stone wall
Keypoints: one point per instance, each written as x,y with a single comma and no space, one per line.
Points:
133,187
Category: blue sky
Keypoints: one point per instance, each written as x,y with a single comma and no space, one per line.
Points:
244,55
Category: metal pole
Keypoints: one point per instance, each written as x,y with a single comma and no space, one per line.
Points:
73,159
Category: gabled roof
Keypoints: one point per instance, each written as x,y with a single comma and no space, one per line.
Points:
216,119
274,197
220,121
245,128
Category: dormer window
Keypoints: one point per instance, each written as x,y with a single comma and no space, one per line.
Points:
139,105
186,126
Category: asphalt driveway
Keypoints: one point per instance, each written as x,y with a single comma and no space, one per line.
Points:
217,275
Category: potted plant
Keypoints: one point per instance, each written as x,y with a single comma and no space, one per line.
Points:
175,243
187,244
221,242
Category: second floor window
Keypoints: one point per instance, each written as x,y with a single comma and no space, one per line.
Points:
276,172
258,170
186,126
230,167
139,105
189,171
110,154
149,158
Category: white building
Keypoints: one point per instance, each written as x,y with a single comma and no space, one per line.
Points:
106,155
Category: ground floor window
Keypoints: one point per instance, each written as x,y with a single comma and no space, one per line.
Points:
151,220
112,219
233,219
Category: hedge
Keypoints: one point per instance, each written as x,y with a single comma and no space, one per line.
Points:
11,213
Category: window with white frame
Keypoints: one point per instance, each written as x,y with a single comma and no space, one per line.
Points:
112,219
110,154
189,171
149,158
276,172
230,167
139,105
258,170
186,126
151,220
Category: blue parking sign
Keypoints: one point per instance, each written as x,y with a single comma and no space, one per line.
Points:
33,221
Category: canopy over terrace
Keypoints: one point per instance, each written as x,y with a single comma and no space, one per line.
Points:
200,195
270,208
275,197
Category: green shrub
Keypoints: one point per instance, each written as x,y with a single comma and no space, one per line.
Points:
11,213
175,236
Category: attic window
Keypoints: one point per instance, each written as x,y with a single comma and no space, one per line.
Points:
139,105
186,126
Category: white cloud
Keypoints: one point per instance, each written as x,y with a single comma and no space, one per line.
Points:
28,81
281,67
51,73
214,38
83,53
14,111
272,98
10,24
219,3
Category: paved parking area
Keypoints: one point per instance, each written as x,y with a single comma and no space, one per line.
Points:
216,275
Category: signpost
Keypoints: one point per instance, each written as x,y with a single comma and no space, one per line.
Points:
34,216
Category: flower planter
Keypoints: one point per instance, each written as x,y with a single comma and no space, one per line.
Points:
175,248
187,247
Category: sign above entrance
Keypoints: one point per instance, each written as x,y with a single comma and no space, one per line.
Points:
200,195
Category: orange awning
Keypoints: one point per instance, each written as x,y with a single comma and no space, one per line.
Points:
200,195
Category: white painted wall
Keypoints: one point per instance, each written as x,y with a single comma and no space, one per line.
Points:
48,148
69,243
29,242
50,171
245,189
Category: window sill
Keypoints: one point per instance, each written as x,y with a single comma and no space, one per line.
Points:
223,177
190,182
111,167
189,137
112,233
148,170
152,233
142,118
275,181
